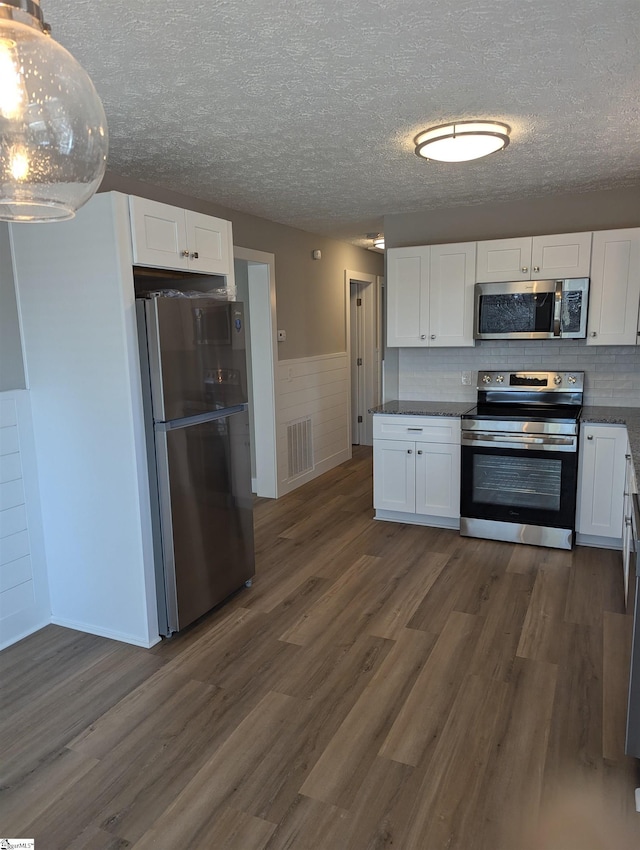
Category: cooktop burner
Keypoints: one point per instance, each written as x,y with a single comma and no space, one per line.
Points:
528,397
531,413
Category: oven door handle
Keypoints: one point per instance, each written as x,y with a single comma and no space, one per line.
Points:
517,439
557,310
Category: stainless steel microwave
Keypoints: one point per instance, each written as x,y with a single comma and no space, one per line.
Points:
532,309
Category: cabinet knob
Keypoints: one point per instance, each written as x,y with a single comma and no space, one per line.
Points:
536,268
184,253
524,269
419,451
194,255
590,437
409,451
593,333
423,336
433,336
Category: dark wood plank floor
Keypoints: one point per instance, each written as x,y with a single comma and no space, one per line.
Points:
379,686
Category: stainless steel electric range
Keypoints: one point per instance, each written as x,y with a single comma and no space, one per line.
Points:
520,458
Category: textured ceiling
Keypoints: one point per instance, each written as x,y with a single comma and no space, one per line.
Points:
303,111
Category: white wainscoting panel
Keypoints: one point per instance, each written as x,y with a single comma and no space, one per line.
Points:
315,388
24,592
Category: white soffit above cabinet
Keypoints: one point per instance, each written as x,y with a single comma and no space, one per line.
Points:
304,111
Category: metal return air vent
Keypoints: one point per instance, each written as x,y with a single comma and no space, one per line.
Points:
299,447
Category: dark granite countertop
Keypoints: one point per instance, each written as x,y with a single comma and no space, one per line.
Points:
596,414
423,408
629,416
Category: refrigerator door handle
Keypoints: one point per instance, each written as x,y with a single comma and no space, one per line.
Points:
187,421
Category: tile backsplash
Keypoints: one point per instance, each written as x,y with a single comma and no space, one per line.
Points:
612,373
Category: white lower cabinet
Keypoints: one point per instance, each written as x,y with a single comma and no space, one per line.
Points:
601,478
416,469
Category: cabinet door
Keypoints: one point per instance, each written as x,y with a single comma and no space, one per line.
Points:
394,475
158,234
451,282
407,296
564,255
601,480
614,293
438,479
209,243
504,259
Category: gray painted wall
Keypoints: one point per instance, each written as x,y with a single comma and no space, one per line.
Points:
11,363
602,210
309,293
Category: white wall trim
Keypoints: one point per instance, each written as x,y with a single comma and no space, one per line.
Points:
264,357
313,359
26,589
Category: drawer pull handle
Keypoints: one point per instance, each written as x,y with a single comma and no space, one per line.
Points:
414,429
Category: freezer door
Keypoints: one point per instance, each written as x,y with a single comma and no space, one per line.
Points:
206,514
197,358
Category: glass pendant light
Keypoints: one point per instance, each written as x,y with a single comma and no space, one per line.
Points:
53,130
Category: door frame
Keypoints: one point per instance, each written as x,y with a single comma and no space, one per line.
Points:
264,357
372,365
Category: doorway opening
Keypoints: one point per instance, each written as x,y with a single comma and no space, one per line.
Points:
364,348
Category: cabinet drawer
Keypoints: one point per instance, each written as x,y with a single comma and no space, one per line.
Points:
420,429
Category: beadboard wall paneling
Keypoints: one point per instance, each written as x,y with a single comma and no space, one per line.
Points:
612,373
315,388
24,593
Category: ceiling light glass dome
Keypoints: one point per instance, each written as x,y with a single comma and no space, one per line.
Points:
53,129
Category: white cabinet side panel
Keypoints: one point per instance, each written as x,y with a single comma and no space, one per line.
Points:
75,290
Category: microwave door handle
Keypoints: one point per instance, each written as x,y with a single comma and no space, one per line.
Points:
557,310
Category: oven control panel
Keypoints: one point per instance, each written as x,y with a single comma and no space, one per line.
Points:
542,381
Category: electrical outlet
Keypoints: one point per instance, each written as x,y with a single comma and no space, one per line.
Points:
467,378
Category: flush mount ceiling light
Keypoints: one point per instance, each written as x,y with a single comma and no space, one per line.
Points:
53,130
462,140
377,239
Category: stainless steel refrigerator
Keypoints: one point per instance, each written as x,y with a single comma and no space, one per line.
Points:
193,365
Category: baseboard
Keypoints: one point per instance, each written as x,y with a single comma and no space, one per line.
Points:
596,542
319,469
122,637
24,634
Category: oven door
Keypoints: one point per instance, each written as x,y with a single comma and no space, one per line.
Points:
525,479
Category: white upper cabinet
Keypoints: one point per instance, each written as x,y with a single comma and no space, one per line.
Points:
451,282
504,259
168,237
407,296
534,257
430,295
614,294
